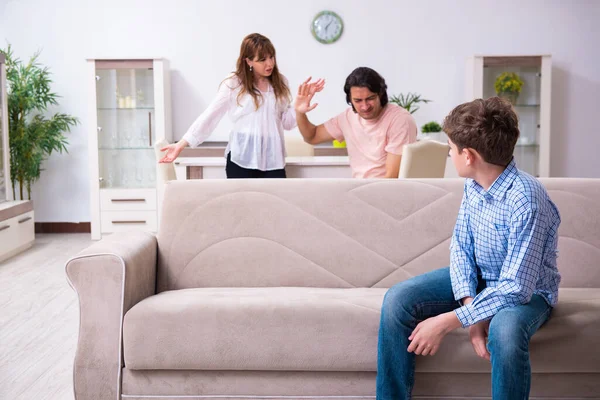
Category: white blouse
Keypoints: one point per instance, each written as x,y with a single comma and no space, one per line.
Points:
256,140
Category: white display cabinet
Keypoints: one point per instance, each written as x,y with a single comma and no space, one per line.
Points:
130,112
532,152
5,183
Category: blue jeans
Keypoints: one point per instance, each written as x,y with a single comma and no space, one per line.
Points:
430,294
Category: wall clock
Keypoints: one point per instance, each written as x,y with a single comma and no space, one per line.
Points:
327,27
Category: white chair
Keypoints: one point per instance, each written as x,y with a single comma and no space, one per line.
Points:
296,146
424,159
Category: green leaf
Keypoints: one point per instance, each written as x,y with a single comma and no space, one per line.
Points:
408,101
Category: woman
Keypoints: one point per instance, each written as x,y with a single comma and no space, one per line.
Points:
257,98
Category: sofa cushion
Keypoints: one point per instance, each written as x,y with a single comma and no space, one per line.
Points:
318,329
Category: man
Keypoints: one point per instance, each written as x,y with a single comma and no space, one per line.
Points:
502,281
373,129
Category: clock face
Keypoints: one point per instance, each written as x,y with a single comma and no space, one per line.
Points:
327,27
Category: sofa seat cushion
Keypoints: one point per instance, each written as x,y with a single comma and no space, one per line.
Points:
280,328
320,329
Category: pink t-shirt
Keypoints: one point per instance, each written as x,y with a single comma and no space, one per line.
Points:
369,141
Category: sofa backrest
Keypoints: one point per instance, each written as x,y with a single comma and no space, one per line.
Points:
339,232
578,200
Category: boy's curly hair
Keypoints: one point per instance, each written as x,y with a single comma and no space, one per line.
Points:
490,127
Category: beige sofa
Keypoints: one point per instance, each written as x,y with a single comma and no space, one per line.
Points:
272,290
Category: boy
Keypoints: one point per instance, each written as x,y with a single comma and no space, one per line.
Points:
504,243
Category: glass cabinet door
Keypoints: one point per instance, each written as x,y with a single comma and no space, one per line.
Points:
3,134
526,105
125,114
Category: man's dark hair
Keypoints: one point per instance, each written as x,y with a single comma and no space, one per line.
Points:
490,127
367,78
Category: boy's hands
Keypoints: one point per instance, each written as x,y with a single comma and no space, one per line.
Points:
428,335
478,334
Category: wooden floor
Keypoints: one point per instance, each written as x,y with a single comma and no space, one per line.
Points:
39,320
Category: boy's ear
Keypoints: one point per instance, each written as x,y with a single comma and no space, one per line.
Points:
470,155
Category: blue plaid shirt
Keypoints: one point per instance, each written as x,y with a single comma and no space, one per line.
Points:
508,237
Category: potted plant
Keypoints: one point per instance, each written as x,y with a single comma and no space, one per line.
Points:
508,85
409,101
433,130
33,135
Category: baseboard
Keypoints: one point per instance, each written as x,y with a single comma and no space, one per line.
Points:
63,227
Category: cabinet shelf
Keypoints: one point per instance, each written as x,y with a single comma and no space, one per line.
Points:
124,108
130,186
527,145
123,148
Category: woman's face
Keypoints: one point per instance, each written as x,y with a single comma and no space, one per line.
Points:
262,67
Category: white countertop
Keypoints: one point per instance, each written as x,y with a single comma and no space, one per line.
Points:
307,161
8,204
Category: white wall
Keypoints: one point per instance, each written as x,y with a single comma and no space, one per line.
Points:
417,46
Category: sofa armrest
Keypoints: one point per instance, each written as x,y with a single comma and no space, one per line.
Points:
109,277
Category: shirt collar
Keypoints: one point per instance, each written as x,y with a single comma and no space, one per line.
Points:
500,185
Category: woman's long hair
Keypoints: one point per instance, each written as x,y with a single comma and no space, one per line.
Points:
259,46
